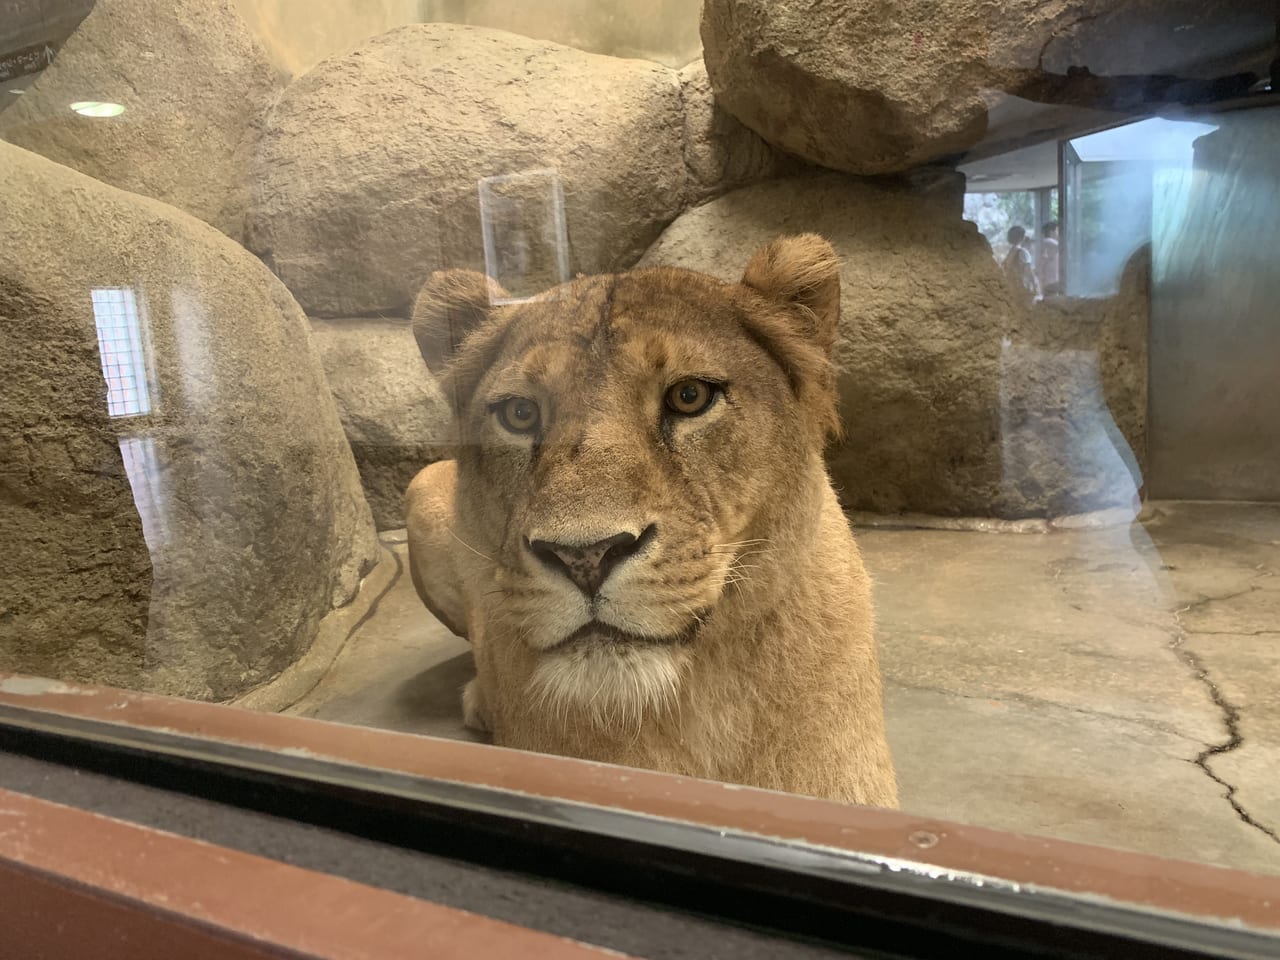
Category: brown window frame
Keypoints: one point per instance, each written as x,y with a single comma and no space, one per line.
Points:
961,867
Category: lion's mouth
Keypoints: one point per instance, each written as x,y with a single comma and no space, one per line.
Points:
597,632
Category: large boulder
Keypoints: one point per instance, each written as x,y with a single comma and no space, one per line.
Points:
845,86
853,87
74,572
371,166
194,84
243,483
395,416
954,400
924,309
721,154
371,162
1062,451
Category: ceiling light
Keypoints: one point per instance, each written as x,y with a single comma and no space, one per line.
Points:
97,108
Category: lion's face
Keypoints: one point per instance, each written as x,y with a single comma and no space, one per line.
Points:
625,442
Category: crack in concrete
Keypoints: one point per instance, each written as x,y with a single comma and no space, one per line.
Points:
1230,712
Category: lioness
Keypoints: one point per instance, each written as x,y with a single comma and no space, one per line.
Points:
638,534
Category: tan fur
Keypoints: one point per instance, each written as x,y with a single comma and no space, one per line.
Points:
761,664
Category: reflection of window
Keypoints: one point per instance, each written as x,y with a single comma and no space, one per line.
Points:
124,358
145,480
1120,183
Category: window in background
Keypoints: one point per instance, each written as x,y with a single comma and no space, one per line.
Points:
1118,182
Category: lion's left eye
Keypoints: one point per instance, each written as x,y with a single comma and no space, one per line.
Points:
519,414
691,397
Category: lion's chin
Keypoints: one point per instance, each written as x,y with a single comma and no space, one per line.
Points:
614,684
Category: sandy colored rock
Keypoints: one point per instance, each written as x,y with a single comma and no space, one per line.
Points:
852,86
719,152
865,88
75,575
923,312
394,414
194,83
371,164
1061,451
243,482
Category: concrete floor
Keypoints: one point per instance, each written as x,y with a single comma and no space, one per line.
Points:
1118,686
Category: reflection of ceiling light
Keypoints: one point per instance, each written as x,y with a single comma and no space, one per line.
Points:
95,108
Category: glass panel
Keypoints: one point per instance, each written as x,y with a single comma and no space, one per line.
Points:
871,401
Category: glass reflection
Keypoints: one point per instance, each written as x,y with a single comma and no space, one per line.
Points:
125,352
526,246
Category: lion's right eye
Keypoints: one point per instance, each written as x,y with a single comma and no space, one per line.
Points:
519,414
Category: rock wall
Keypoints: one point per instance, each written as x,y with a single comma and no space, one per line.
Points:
954,400
242,480
391,409
75,575
301,33
869,87
923,312
370,169
194,84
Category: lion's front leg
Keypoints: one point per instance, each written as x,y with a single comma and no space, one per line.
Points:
433,548
474,712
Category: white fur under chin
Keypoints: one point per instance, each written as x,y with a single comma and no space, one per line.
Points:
615,685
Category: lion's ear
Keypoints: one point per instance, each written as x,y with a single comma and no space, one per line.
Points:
449,307
804,272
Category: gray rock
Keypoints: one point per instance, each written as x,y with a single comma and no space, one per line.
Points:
194,84
860,87
243,482
396,419
719,152
1062,451
954,401
923,311
74,573
850,85
371,163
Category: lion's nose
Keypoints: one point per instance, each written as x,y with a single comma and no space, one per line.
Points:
589,566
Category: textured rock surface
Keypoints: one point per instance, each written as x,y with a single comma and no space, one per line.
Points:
720,153
394,414
245,486
860,87
954,401
1062,452
75,575
923,311
847,86
371,165
194,84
